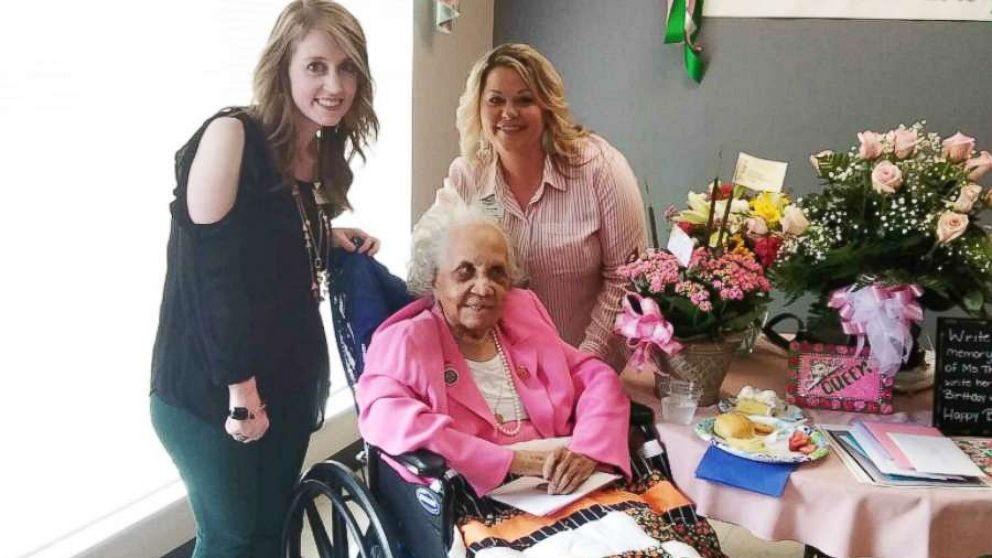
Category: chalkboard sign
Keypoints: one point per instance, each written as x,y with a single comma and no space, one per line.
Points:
962,402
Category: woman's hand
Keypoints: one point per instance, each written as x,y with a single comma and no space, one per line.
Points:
245,394
352,240
528,463
565,470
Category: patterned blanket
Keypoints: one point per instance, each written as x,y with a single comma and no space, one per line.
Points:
644,518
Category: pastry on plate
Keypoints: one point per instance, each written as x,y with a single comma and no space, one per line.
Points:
751,401
733,425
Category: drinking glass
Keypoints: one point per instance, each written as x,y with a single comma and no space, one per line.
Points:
679,399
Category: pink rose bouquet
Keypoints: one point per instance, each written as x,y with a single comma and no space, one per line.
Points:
898,208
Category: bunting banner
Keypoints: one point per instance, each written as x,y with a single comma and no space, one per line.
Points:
445,14
683,24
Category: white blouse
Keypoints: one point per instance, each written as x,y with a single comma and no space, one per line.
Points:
492,382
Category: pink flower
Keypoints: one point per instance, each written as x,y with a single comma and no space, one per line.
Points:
756,226
871,145
967,196
794,221
958,147
950,226
978,166
903,141
886,177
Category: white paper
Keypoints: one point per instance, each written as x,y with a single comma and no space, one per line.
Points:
530,494
938,10
760,174
681,246
936,455
881,458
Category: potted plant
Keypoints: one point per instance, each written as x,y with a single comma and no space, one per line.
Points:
693,317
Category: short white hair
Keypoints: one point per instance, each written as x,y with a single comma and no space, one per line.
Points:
431,235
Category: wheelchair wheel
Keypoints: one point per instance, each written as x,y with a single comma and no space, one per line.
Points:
331,495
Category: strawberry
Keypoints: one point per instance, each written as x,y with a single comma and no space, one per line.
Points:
798,440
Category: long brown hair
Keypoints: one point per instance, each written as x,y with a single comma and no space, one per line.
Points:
275,108
563,138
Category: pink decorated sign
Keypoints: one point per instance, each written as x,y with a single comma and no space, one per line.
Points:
836,377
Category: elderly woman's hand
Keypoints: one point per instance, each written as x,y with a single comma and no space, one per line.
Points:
565,470
528,463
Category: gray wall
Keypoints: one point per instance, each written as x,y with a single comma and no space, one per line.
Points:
779,89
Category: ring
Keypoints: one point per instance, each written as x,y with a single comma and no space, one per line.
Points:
239,438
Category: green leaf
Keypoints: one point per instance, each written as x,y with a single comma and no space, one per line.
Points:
973,301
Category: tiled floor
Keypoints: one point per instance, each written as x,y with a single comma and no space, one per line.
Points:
739,543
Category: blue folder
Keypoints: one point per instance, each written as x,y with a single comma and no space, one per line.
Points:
724,468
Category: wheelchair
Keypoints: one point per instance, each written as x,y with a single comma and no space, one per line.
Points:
385,516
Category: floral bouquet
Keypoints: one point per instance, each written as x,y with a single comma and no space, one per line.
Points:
762,221
716,295
899,215
692,317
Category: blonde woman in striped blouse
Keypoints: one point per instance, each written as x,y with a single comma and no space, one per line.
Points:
567,198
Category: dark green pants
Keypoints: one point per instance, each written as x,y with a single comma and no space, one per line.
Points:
239,492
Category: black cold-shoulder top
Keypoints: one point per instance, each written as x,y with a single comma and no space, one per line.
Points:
237,300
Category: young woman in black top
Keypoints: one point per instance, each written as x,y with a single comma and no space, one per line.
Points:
240,368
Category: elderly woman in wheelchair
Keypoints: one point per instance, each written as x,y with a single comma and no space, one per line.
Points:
474,367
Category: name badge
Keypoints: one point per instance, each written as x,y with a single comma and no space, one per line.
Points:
450,376
492,207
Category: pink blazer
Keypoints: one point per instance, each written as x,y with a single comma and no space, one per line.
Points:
417,392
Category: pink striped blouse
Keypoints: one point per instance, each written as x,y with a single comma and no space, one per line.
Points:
571,238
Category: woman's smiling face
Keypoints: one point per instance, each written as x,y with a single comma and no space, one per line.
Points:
511,117
323,80
472,279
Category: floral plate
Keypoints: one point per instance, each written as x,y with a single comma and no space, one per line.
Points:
776,449
791,412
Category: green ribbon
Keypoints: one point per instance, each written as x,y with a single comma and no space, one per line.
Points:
675,33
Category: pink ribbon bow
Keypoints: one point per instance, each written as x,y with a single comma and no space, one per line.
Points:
883,315
645,328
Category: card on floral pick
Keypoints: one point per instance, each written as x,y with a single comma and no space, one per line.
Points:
759,174
836,377
681,246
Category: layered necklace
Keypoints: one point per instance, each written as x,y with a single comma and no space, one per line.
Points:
514,395
319,243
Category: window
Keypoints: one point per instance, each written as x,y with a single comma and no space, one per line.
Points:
95,98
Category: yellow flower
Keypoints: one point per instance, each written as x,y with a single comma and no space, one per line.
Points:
743,250
769,207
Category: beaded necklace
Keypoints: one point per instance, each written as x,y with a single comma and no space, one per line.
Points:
317,244
508,378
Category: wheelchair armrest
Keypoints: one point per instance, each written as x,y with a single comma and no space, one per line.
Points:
641,415
424,463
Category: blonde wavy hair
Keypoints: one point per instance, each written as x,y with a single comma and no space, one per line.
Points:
275,108
563,138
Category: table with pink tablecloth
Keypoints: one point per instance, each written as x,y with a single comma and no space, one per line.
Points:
823,505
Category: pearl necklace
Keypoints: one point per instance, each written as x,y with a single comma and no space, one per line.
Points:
508,376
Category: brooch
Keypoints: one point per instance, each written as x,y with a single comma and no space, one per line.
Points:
450,376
